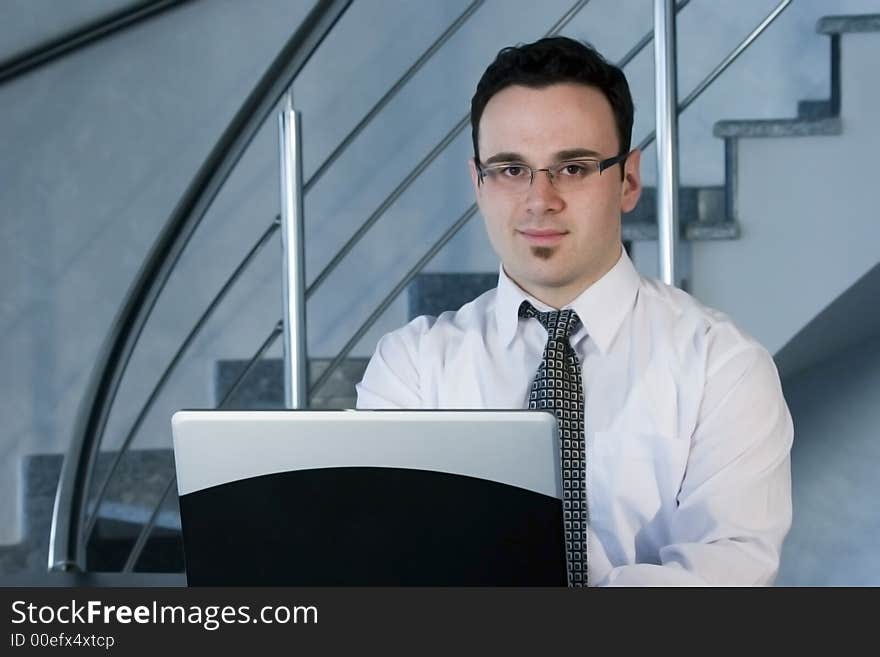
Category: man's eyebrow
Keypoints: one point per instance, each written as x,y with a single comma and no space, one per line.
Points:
505,157
560,156
576,154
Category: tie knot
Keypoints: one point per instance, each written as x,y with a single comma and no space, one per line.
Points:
559,323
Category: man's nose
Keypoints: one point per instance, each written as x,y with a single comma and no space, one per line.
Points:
543,196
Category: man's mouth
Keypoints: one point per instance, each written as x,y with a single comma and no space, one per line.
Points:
542,236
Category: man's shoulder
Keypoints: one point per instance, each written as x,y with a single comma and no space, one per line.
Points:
688,318
678,303
408,361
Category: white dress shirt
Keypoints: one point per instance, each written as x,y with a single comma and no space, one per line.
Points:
687,433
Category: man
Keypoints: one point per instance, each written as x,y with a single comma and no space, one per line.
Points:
674,435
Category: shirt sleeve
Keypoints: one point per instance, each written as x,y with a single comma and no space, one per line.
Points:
734,506
391,379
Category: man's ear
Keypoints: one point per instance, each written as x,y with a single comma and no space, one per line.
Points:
631,189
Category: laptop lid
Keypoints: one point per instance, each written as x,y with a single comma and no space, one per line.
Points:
324,498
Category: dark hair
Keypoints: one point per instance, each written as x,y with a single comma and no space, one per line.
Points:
555,60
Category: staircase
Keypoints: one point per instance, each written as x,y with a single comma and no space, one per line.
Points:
782,170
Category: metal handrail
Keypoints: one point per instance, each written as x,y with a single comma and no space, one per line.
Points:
392,92
169,369
725,63
414,173
82,36
666,121
293,267
65,543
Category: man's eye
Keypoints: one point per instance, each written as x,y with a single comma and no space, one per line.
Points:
575,170
512,171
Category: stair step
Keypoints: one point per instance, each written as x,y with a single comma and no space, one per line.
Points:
433,293
851,23
264,386
695,205
698,230
829,125
701,210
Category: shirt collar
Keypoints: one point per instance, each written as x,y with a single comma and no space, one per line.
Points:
602,307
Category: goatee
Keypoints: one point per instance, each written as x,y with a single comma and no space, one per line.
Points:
542,252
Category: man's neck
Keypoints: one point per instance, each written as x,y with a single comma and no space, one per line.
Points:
556,297
559,296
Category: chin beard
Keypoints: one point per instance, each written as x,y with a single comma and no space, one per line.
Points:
542,252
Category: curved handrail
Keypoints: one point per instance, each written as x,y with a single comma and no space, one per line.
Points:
65,543
82,36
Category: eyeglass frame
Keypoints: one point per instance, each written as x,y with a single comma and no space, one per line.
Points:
601,164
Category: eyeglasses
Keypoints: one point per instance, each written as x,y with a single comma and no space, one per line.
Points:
516,177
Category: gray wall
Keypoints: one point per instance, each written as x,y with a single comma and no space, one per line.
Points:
835,465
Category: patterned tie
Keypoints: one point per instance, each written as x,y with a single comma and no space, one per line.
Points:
558,387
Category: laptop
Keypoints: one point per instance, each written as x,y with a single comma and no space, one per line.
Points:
370,498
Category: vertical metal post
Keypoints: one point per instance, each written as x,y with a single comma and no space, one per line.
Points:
293,265
666,96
